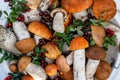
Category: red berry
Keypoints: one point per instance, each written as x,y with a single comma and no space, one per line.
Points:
8,78
9,25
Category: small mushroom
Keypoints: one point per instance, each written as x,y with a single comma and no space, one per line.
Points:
95,54
25,43
67,75
78,45
13,67
44,5
58,22
103,71
62,64
51,70
35,71
98,34
33,4
40,30
8,40
52,51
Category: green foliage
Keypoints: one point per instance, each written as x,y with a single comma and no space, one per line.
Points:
16,75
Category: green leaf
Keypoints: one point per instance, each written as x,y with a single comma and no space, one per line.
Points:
107,39
113,37
105,44
60,46
80,33
37,62
0,50
56,40
92,43
61,35
37,50
0,14
5,13
42,50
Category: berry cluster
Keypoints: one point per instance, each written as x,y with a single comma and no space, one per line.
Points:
21,18
8,78
41,42
109,32
42,61
46,18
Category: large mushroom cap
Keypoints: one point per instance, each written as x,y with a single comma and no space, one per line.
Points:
96,53
76,5
52,51
103,71
26,45
78,43
40,29
98,34
104,8
23,63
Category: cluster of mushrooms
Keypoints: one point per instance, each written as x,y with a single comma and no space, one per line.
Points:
74,66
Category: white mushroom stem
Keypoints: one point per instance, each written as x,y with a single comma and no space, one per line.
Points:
37,72
69,58
20,30
58,22
8,40
79,65
81,15
91,68
37,39
45,5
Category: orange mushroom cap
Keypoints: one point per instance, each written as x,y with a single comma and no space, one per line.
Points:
40,29
105,9
78,43
76,5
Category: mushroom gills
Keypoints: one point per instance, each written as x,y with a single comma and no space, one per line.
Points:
21,30
45,5
91,68
58,22
8,40
37,72
81,15
79,65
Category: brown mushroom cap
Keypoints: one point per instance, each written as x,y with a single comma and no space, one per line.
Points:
72,6
52,51
96,53
62,64
103,71
51,69
78,43
98,34
104,8
26,45
40,29
33,4
23,63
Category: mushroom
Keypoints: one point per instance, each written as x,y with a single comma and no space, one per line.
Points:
78,45
32,15
62,64
27,77
8,40
35,71
98,34
103,71
78,8
40,30
95,54
100,9
25,43
52,51
44,5
58,22
51,70
33,4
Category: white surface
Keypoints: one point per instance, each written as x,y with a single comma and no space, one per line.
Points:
4,66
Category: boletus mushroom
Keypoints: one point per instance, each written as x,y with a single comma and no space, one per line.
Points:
52,51
62,64
58,22
40,29
8,41
98,34
103,71
78,45
105,9
35,71
25,43
95,54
